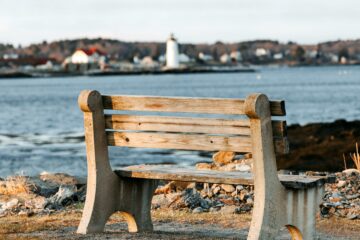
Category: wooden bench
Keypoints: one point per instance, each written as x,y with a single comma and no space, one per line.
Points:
280,200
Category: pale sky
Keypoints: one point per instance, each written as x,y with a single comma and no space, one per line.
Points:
197,21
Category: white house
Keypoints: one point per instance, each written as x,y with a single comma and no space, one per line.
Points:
225,58
84,59
205,57
236,55
261,52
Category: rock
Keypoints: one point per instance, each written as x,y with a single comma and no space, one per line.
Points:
216,190
341,184
228,188
205,203
206,166
351,171
351,216
24,213
242,167
163,201
60,179
197,210
191,198
62,198
214,209
36,203
10,204
228,167
239,188
351,197
223,157
250,201
2,213
228,209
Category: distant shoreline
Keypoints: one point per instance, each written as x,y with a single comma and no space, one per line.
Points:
96,73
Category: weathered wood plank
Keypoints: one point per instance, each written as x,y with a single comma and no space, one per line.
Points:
186,124
177,124
240,144
191,174
183,104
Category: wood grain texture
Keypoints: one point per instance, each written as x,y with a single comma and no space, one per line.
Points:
240,144
191,174
178,124
187,124
184,104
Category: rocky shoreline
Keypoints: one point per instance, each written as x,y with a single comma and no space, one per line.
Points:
49,193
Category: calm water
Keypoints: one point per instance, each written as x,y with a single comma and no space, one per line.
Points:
41,125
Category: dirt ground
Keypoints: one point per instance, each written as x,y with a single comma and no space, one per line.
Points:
167,225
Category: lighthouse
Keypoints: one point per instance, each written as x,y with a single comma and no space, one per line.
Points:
172,52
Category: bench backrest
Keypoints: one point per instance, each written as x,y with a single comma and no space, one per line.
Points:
187,133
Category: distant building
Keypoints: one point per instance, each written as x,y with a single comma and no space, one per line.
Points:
148,62
85,59
236,56
278,56
172,53
261,52
225,58
205,57
183,58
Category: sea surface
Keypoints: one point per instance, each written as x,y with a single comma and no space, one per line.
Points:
41,126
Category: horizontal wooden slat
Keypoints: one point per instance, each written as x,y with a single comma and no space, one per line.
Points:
189,125
277,108
184,104
177,124
203,142
191,174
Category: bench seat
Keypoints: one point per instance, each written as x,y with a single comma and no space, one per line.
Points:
191,174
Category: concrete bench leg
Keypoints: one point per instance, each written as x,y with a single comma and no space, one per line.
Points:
132,197
101,199
302,206
135,202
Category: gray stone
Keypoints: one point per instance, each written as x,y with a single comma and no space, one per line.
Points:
10,204
198,210
62,198
214,209
242,167
341,184
351,216
249,200
191,198
228,209
216,190
351,197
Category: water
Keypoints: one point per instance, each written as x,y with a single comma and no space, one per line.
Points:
41,125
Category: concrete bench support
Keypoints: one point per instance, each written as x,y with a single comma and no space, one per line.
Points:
275,206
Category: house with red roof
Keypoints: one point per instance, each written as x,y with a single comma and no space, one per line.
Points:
85,59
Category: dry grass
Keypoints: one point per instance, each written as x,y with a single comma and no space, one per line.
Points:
15,227
15,185
23,224
339,227
356,157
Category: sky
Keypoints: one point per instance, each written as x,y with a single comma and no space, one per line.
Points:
197,21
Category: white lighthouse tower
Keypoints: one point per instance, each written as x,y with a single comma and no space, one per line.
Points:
172,53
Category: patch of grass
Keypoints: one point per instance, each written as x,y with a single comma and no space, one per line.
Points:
15,185
356,157
23,224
